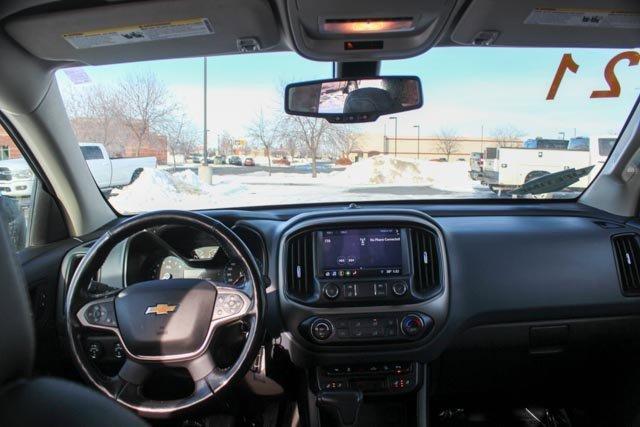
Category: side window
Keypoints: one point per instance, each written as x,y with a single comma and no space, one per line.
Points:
91,152
17,183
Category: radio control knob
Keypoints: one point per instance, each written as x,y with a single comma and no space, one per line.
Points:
412,325
399,288
321,329
331,291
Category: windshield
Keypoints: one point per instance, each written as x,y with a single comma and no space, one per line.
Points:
494,120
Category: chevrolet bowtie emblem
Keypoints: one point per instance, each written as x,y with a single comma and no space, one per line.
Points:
161,309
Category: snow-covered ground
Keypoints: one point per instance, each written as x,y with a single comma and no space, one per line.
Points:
377,178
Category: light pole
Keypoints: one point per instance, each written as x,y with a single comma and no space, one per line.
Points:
418,127
395,136
204,130
205,172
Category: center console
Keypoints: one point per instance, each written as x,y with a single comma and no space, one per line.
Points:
367,266
362,294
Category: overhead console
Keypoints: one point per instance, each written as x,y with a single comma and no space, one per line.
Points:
356,30
363,279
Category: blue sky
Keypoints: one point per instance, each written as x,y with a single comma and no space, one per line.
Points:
465,89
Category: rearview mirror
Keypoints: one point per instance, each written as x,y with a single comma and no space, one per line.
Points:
353,100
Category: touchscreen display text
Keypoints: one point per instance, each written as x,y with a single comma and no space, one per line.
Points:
360,252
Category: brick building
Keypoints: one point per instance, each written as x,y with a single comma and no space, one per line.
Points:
425,148
119,142
8,149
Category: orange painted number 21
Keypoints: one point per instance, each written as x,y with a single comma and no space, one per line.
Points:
567,63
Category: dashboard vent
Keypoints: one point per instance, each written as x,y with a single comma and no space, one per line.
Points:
627,251
300,283
425,261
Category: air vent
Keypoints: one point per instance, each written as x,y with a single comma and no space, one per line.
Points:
425,261
300,283
627,251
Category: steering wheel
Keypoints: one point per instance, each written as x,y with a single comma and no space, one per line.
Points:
165,323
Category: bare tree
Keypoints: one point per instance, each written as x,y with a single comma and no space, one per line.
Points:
313,132
447,142
145,104
507,136
94,113
265,132
180,135
344,140
291,145
225,144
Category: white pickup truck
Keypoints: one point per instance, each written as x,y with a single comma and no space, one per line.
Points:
16,178
510,168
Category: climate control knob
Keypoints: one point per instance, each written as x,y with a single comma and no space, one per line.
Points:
321,329
331,291
412,325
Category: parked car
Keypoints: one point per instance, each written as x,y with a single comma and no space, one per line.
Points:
282,161
476,161
16,178
248,161
110,173
220,160
513,167
235,160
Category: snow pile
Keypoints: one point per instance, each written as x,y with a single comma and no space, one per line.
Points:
381,170
158,189
187,178
376,178
388,170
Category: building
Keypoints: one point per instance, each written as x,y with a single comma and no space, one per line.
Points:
432,148
120,142
8,149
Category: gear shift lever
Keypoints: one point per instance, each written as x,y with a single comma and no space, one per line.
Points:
341,407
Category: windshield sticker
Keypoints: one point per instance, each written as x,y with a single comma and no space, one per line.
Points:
77,75
140,33
567,63
584,18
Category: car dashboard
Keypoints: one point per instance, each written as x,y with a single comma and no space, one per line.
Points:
385,298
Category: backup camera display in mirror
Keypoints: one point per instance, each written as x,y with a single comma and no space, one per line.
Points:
353,100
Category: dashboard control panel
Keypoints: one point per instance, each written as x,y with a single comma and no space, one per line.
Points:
372,378
348,329
373,265
394,291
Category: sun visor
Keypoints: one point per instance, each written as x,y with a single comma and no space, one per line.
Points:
368,30
550,23
148,30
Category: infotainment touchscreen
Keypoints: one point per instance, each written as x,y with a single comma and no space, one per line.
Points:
366,252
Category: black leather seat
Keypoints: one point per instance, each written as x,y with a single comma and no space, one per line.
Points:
26,401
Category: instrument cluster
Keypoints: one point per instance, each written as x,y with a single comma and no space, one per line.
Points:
183,253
